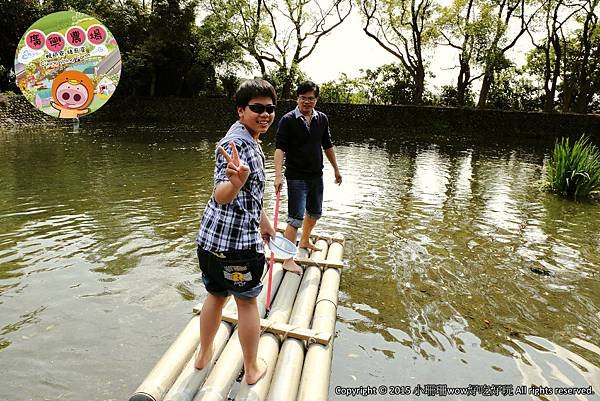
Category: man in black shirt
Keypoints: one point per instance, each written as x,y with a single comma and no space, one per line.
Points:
301,135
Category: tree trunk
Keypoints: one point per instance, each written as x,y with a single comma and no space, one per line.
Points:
549,106
153,85
261,65
419,85
568,95
488,80
463,82
286,90
583,79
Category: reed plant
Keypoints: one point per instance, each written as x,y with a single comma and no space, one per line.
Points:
574,170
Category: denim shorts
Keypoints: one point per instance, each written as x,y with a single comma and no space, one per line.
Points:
236,273
304,197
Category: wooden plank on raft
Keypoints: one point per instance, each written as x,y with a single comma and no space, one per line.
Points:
282,329
310,262
330,238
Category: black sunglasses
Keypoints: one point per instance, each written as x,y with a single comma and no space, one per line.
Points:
260,108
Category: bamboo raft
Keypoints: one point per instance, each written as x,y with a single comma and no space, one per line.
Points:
296,339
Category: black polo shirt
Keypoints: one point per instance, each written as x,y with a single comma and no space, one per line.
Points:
302,146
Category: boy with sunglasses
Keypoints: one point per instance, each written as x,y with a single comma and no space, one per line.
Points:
234,225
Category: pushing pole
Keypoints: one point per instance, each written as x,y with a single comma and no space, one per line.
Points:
272,259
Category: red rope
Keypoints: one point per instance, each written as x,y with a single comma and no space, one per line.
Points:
272,253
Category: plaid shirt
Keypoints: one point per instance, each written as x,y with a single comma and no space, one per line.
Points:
235,225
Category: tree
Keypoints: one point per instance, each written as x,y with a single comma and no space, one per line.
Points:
15,17
449,97
343,90
513,91
462,30
494,59
280,32
389,84
581,72
404,29
554,16
386,84
479,30
245,22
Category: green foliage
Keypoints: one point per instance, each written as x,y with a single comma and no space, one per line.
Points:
229,83
386,84
163,51
343,90
574,171
513,91
15,17
389,84
449,97
278,77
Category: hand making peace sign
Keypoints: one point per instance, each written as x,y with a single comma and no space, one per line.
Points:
236,171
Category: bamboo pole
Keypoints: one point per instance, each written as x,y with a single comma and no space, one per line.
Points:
190,379
181,353
314,384
230,362
284,386
268,346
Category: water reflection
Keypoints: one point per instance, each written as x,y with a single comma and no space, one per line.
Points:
456,260
456,249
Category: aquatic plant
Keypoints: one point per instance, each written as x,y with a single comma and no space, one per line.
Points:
574,170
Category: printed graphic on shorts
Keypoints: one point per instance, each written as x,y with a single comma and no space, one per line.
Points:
239,275
67,64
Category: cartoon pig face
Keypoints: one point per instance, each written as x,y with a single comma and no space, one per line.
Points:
72,96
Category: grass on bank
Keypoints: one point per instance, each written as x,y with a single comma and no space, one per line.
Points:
574,169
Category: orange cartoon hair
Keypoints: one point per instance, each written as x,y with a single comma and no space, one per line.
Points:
76,78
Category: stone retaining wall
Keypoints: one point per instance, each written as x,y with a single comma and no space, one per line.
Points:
16,111
220,112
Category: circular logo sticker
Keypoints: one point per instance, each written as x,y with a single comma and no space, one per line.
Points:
67,64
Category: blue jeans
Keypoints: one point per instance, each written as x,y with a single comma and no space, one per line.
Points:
304,197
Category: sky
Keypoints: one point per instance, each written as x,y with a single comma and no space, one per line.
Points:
347,49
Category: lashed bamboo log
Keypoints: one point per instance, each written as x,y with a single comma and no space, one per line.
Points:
230,363
268,346
284,386
190,380
181,353
314,384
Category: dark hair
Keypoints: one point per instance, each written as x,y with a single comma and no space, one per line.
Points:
307,86
254,88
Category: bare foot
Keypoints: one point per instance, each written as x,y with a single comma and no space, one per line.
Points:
291,266
203,358
309,246
254,375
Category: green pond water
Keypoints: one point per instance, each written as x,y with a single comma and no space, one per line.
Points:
459,270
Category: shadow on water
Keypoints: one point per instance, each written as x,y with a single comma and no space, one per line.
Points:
456,260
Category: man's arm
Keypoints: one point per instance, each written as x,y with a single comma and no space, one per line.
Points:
330,153
278,159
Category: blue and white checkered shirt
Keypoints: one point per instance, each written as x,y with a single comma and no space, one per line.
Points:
235,225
